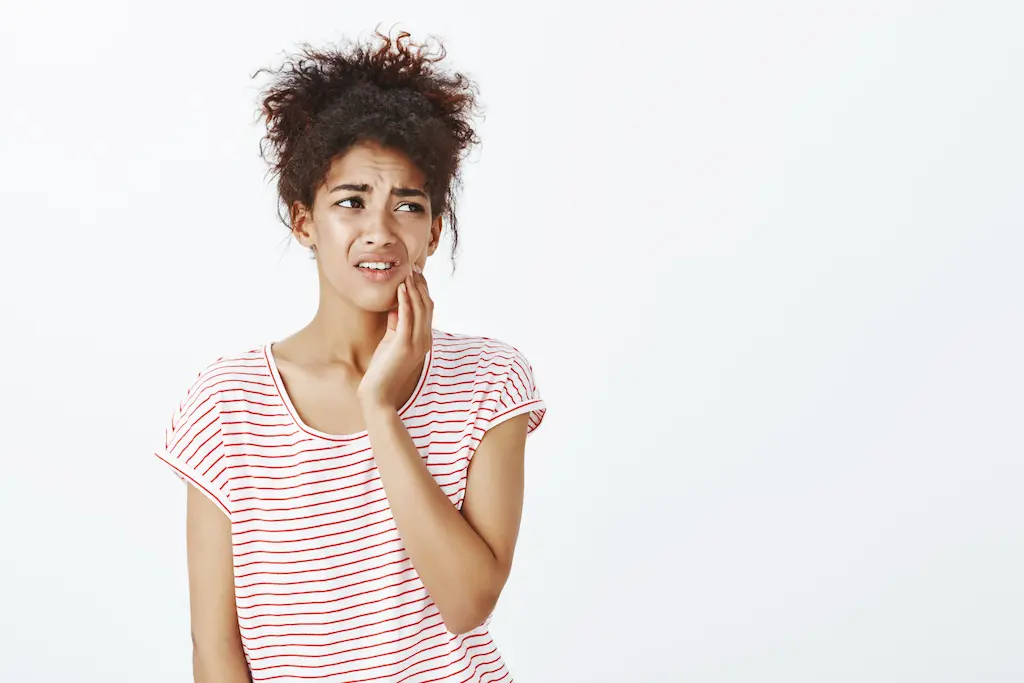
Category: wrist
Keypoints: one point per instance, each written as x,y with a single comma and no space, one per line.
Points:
373,405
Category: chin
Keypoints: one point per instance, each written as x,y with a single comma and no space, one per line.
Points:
375,302
368,297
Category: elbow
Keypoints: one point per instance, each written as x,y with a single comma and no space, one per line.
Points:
470,602
462,625
220,662
469,614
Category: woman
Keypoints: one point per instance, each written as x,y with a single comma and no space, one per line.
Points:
356,488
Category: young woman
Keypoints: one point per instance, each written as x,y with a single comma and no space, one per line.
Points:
356,488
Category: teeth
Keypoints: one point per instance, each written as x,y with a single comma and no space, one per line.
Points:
375,265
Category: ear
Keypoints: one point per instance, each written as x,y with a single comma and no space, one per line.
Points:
435,236
303,227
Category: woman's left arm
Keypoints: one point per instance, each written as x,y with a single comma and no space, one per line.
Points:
462,558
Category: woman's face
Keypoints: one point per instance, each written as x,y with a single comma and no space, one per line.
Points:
370,223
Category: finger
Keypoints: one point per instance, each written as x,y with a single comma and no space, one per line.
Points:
421,280
425,317
428,303
428,321
419,310
404,328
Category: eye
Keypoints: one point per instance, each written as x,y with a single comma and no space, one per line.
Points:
359,200
414,207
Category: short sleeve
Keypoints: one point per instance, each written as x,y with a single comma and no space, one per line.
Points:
193,443
514,394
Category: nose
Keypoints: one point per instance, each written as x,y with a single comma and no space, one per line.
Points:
378,229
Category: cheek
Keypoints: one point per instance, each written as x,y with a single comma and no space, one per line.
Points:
416,245
334,245
335,241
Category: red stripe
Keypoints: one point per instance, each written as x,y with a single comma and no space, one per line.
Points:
435,617
392,611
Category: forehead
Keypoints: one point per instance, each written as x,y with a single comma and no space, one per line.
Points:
372,163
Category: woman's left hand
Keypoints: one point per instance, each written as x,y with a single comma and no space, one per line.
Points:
408,338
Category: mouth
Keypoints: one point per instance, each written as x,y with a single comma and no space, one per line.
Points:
378,271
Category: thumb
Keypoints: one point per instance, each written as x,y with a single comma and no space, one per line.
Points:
393,319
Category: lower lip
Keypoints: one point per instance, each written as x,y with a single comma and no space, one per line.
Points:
378,275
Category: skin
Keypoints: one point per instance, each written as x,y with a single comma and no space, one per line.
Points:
352,368
216,644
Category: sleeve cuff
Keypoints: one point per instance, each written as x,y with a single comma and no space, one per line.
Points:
206,487
535,406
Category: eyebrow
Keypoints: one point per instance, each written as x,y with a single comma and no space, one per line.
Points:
397,191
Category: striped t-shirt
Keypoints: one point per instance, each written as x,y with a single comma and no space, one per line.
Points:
324,588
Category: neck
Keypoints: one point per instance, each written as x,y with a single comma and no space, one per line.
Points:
342,333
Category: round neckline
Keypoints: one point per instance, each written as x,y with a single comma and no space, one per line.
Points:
282,393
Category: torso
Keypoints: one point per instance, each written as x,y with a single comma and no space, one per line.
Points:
324,588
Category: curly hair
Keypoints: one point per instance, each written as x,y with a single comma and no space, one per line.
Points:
323,101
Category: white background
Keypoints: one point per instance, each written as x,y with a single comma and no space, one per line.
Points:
766,260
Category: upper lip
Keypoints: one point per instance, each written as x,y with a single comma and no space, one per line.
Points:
393,259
